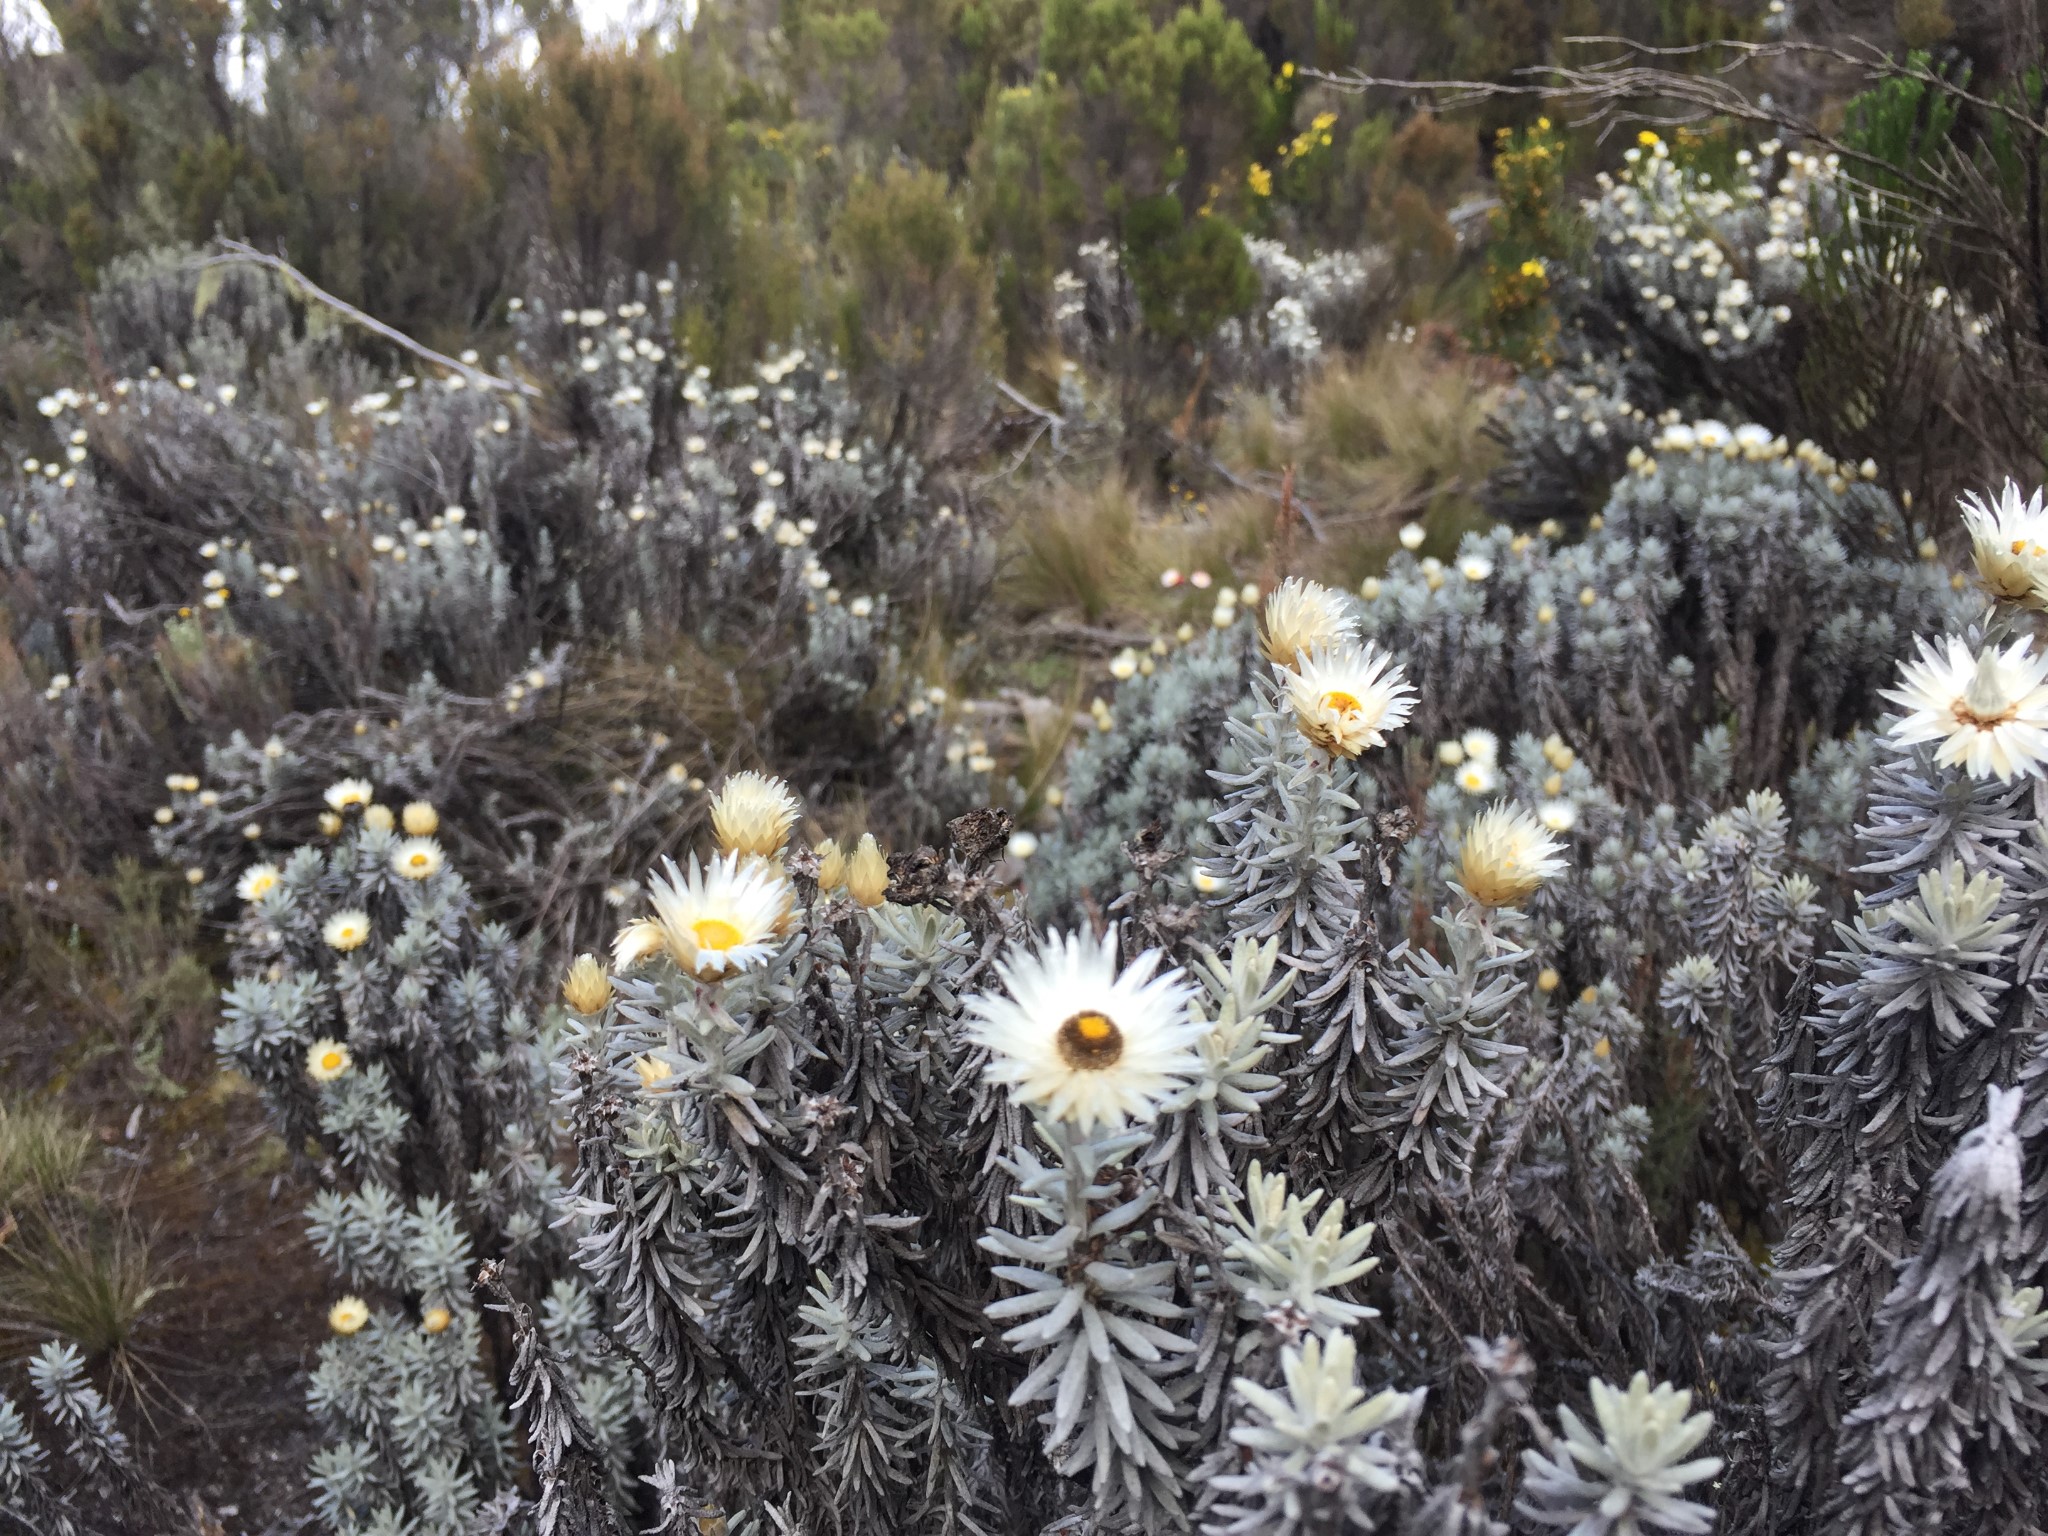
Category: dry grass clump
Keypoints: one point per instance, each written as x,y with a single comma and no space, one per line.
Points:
1074,550
1394,436
43,1152
121,955
73,1266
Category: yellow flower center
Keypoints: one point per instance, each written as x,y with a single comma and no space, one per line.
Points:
330,1061
1341,702
715,933
1090,1041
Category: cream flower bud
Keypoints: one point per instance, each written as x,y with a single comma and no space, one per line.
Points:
586,988
752,814
1505,855
867,873
420,819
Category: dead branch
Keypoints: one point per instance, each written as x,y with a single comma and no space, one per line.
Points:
238,253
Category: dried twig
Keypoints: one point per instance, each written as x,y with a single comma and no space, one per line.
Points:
239,253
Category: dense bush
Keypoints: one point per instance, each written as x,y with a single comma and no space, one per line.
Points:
844,937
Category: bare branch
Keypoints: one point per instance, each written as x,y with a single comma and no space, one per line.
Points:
238,253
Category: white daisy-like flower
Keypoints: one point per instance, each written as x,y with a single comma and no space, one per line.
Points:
2009,539
349,794
1348,699
1302,616
326,1060
417,858
752,814
347,930
1089,1045
1475,567
257,881
1477,777
1713,436
1988,711
1506,854
1558,815
1481,744
1754,441
716,921
348,1315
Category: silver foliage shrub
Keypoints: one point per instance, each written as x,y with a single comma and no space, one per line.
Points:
1605,957
317,543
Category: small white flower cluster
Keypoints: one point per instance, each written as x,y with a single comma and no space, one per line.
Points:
770,485
1754,444
232,568
1303,303
1099,280
1713,269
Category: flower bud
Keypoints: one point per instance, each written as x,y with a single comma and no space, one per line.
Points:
587,989
867,873
831,866
653,1071
420,819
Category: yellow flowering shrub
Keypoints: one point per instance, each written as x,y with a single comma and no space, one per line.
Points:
1526,239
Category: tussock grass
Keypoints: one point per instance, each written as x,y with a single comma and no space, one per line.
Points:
69,1268
1074,550
1395,436
43,1154
94,1282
